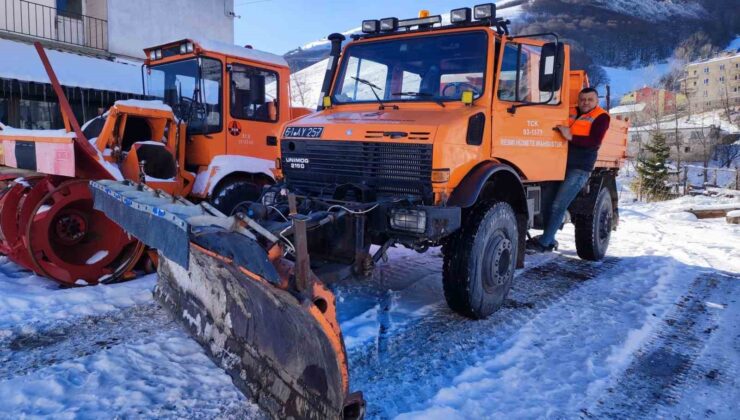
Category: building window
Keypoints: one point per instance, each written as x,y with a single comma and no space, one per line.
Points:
71,8
722,78
694,72
4,111
686,149
721,66
694,83
705,94
39,115
706,69
706,81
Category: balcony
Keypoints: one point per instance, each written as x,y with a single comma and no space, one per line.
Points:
32,20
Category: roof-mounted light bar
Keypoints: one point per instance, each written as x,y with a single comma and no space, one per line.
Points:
484,14
426,21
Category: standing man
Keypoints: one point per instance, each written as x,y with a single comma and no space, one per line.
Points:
587,125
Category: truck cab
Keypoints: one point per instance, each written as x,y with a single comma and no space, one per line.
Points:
234,101
432,134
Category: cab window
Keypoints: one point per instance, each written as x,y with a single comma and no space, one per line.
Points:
424,68
519,77
254,93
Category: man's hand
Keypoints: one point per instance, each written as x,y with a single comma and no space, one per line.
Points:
565,131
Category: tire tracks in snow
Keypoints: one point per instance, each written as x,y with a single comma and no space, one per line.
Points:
416,361
26,350
667,364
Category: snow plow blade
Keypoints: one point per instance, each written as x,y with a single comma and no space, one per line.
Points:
268,323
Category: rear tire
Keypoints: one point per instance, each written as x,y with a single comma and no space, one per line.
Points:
593,231
229,197
479,261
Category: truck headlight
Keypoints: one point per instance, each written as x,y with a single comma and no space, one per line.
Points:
186,48
409,220
484,11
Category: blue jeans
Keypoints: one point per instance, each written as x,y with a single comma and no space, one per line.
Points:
574,180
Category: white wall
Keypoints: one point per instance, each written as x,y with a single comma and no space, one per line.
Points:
136,24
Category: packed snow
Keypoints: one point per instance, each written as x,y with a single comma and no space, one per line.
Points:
698,121
21,132
648,332
242,52
116,75
154,105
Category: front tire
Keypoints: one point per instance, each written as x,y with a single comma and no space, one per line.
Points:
232,195
479,261
593,231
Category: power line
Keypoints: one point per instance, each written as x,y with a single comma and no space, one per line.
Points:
251,2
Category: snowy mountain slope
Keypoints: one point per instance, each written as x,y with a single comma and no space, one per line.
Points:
655,9
318,50
648,332
625,43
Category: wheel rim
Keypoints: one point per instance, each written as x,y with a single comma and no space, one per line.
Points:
67,239
497,262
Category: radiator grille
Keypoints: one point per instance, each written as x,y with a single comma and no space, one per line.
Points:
318,167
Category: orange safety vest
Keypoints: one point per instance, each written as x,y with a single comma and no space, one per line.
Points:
581,126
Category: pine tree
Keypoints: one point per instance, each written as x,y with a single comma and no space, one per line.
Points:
652,169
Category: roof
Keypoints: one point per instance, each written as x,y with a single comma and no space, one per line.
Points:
627,109
241,52
715,59
696,122
73,70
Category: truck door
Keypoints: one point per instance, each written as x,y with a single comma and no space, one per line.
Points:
524,116
254,108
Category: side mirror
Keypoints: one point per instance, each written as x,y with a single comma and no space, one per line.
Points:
256,89
552,63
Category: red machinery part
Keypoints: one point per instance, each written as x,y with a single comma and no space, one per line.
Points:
48,225
69,241
14,194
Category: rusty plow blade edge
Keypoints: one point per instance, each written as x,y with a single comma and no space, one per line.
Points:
281,348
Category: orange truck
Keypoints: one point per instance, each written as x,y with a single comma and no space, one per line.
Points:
428,135
209,132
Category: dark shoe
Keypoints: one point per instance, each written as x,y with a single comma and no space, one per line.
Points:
534,246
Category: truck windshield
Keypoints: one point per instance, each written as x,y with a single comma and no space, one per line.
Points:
424,68
175,84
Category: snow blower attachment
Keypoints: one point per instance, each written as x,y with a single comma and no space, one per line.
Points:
47,220
266,319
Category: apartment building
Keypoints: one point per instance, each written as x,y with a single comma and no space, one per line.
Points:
96,48
714,83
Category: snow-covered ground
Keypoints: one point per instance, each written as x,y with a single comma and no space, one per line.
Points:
651,331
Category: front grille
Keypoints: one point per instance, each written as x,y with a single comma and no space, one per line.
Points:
318,167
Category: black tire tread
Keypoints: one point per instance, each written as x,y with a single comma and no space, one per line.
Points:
457,251
225,199
585,233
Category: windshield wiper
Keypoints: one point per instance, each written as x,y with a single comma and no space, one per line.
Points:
434,97
373,87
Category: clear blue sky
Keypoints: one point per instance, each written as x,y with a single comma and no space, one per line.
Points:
279,26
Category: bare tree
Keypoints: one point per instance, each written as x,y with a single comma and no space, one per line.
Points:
726,154
707,137
298,87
